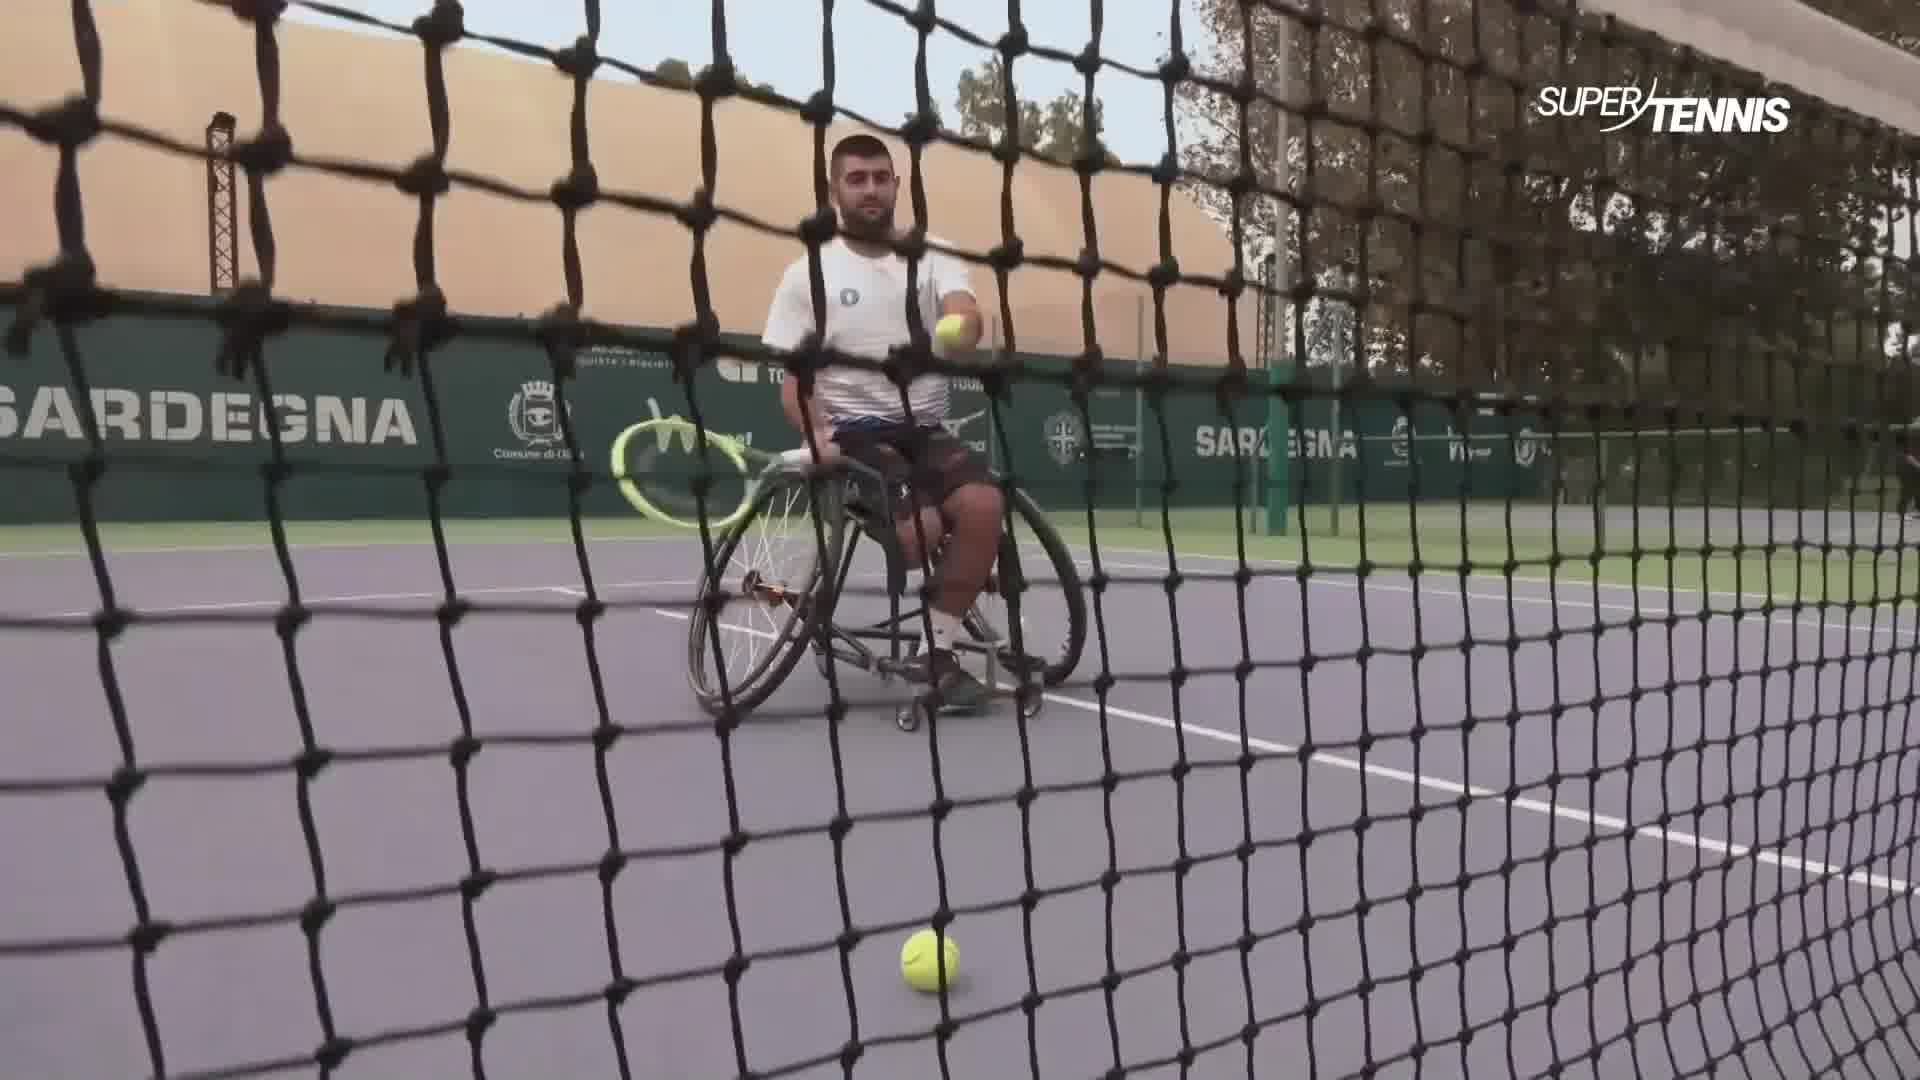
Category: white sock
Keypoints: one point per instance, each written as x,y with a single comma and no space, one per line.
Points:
945,628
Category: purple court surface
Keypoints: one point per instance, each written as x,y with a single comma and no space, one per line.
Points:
1444,837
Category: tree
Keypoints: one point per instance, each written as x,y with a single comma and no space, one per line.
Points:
1057,130
675,71
1895,22
1552,252
980,100
939,121
1330,325
678,73
1065,133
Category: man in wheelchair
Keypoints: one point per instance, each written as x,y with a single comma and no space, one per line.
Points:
946,509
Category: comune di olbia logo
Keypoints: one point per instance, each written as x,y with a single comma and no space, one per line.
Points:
1676,115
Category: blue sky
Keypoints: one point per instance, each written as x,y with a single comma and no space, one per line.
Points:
779,41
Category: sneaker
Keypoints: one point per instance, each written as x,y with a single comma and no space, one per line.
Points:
955,687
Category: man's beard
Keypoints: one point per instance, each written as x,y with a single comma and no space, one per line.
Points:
861,227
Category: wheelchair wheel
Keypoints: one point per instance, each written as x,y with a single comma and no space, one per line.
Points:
1035,573
773,586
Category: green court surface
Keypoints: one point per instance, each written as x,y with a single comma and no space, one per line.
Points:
1870,568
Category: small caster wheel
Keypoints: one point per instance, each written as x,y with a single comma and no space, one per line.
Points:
1032,705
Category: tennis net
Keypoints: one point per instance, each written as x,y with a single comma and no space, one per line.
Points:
1426,792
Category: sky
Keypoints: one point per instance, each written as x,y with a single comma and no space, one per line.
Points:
779,42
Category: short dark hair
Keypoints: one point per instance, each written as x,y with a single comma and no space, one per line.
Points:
858,145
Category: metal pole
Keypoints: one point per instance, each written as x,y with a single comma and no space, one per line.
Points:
1139,413
1333,467
1282,181
1334,492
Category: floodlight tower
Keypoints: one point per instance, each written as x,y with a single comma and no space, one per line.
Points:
223,208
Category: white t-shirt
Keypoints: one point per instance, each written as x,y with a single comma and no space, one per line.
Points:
866,315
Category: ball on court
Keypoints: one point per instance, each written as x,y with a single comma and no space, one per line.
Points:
950,331
920,961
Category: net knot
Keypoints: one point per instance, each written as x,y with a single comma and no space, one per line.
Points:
562,334
147,936
818,111
620,989
716,80
333,1052
309,764
266,153
68,125
818,228
579,60
906,363
443,26
420,325
699,213
479,1022
425,178
315,916
1229,389
62,291
577,190
248,317
921,128
692,343
911,243
611,864
1008,255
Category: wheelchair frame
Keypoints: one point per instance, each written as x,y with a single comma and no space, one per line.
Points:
831,640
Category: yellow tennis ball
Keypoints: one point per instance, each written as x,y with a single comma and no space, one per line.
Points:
920,961
950,331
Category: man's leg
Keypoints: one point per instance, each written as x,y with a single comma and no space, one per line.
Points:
928,531
974,508
947,470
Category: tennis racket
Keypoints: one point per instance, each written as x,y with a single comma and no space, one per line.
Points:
657,463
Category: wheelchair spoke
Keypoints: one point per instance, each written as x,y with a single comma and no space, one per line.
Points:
770,570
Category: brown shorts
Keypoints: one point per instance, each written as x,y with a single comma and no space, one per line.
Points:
921,466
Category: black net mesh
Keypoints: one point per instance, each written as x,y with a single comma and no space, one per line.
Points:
1419,799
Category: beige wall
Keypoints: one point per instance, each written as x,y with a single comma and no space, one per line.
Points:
352,96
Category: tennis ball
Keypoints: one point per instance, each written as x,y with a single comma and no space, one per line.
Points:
920,961
949,332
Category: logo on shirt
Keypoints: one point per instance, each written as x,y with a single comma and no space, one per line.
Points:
849,297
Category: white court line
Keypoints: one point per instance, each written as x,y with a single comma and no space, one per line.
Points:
1556,595
318,545
1455,789
373,598
1554,586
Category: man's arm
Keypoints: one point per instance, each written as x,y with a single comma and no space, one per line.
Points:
789,321
956,298
790,404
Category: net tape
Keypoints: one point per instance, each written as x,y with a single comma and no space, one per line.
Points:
64,294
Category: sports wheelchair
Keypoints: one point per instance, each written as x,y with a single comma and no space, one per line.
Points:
791,608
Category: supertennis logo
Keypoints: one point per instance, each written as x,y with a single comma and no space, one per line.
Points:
1623,106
